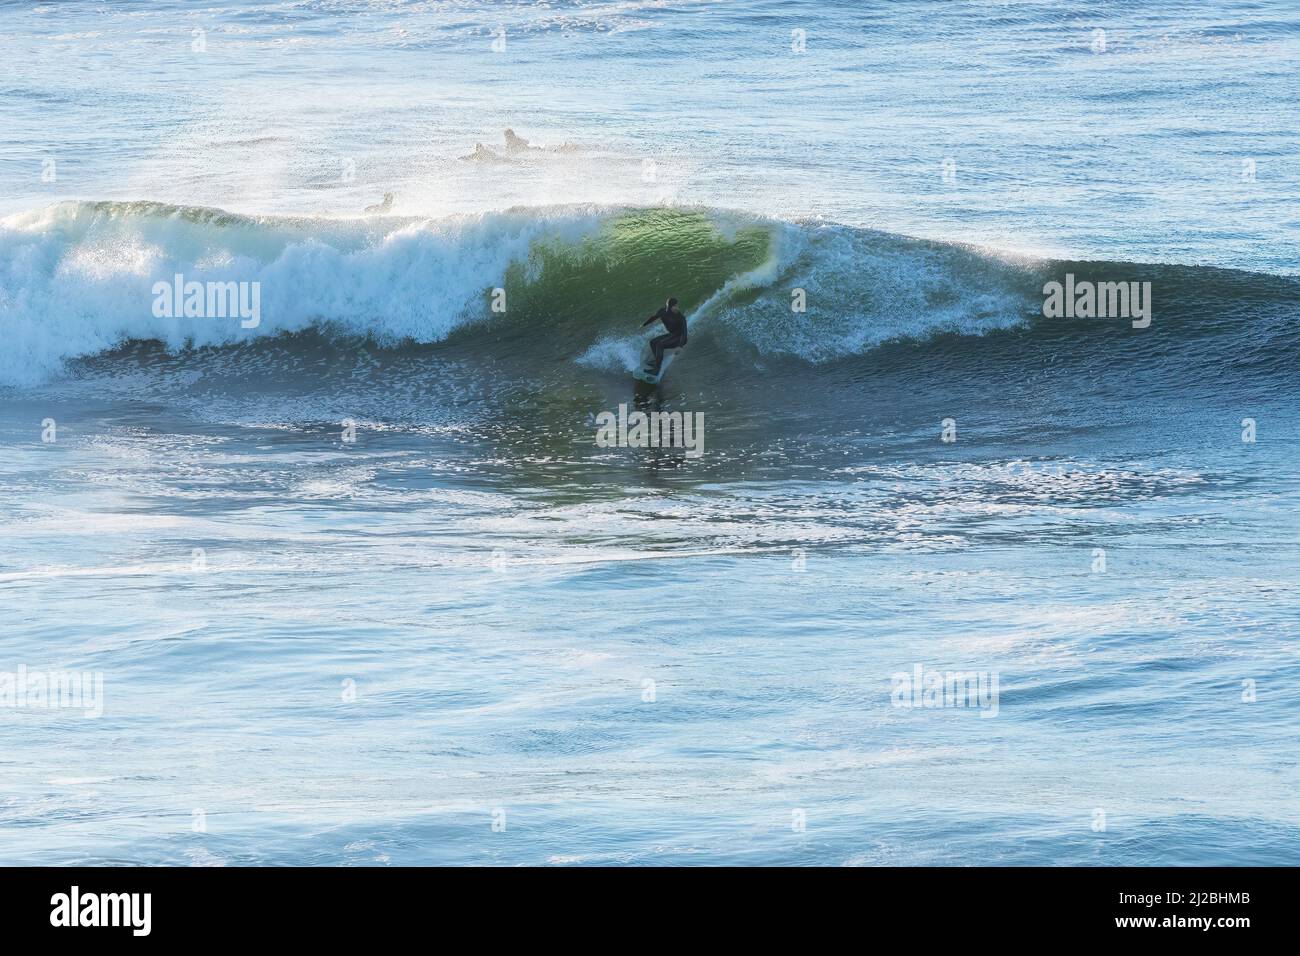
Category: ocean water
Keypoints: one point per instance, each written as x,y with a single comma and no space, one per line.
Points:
353,581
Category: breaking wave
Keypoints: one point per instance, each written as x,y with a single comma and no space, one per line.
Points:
77,279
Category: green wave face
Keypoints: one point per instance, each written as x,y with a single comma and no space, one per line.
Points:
628,269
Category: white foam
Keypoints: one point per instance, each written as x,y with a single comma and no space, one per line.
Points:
76,278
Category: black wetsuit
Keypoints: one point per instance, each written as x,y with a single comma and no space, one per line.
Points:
674,338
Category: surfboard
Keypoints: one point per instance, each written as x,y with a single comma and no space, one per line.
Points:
643,372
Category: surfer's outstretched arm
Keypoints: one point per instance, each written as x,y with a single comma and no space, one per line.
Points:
649,320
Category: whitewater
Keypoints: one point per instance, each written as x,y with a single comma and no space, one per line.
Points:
359,584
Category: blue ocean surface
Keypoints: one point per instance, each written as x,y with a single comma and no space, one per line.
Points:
349,575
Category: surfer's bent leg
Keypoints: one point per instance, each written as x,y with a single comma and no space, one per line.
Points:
659,344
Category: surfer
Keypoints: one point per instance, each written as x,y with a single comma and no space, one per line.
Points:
675,336
382,207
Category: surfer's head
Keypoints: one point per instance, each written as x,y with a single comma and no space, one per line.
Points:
672,303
